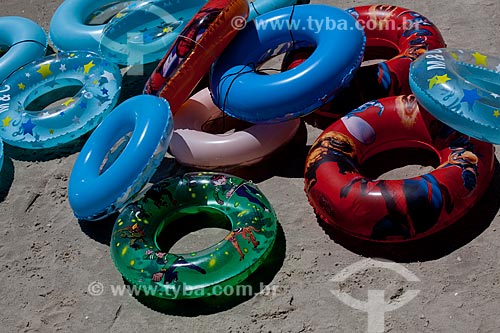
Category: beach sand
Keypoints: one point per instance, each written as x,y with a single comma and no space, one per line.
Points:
48,260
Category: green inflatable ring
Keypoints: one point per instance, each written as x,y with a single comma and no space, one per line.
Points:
216,270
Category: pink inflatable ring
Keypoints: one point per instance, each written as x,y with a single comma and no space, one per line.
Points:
191,146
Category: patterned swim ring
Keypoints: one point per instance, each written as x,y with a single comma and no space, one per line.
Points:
120,157
27,120
402,209
462,89
142,32
22,40
224,200
195,49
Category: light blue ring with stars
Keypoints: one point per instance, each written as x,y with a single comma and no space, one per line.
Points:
462,89
69,29
142,32
94,193
98,82
26,41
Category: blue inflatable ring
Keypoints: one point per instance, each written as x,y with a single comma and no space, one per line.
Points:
259,7
27,123
239,90
69,29
25,40
142,32
94,193
462,89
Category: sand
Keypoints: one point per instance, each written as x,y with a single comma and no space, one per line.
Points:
48,259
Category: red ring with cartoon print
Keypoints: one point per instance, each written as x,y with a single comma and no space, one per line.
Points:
194,50
394,210
394,33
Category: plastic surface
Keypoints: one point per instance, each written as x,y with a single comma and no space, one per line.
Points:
462,89
136,239
95,192
194,51
394,210
259,7
394,33
239,90
142,32
69,27
192,146
24,40
28,121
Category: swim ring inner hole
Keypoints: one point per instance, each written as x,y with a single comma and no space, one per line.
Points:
270,60
104,14
4,48
114,152
399,163
376,52
191,229
483,78
224,124
50,101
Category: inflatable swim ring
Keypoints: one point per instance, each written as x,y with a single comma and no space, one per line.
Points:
138,254
193,146
94,191
462,89
28,119
22,40
259,7
194,51
235,82
141,33
394,210
394,33
70,29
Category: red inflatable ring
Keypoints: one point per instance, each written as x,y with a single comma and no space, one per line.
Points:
394,210
393,33
195,49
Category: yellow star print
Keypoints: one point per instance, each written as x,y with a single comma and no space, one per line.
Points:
6,121
21,86
167,29
44,70
454,55
88,66
480,58
438,79
69,101
496,113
